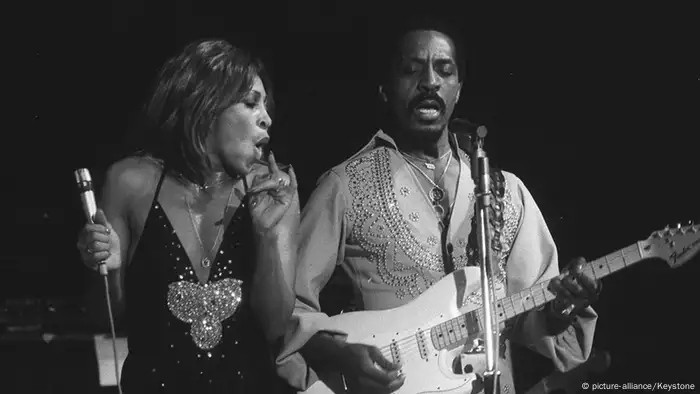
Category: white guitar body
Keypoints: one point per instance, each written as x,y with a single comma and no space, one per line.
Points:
403,335
428,334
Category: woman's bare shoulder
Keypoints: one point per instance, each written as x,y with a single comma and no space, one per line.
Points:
133,176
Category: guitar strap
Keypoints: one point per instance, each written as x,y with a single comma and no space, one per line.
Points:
496,222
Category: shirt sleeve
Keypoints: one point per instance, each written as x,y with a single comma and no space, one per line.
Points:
534,252
321,249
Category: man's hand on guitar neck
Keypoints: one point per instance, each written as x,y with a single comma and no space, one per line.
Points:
575,291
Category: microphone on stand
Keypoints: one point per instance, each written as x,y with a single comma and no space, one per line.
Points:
465,132
470,138
87,196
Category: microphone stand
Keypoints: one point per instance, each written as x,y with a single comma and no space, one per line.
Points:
482,192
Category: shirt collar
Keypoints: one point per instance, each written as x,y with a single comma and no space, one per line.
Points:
381,138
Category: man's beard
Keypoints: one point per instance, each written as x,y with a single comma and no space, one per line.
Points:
426,132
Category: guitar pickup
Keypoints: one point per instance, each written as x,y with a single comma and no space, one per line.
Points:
422,345
395,353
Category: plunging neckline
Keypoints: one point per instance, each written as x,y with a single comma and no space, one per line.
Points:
215,261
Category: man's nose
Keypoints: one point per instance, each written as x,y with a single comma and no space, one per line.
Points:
429,81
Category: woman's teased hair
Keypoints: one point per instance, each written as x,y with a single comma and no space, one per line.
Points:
191,91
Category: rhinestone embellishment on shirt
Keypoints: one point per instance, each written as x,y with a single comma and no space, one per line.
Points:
205,307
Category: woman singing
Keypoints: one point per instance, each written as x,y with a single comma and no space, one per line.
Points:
197,230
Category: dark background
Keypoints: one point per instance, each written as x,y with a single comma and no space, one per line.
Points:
594,108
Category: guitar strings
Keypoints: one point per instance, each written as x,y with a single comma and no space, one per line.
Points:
409,344
507,307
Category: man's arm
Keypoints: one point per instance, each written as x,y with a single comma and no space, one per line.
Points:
321,249
534,254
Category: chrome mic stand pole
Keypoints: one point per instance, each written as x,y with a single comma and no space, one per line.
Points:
482,182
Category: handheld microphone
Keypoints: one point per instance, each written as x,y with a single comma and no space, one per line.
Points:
87,196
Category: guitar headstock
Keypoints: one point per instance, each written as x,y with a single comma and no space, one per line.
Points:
675,245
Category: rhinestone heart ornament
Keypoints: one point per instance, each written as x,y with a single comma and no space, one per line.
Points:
205,307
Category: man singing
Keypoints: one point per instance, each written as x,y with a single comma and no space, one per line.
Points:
399,215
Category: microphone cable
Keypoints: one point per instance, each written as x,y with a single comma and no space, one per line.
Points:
82,177
112,327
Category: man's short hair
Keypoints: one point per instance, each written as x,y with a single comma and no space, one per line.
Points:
388,31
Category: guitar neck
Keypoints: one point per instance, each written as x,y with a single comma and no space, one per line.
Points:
539,294
455,330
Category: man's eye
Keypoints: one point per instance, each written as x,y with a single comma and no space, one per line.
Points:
447,70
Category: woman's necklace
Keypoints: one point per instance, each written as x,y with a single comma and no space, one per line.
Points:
219,179
206,261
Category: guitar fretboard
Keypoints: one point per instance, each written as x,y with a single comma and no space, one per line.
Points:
455,330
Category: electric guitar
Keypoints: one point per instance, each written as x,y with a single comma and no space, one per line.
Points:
428,334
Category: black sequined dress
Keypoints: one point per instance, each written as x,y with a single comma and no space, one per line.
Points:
185,337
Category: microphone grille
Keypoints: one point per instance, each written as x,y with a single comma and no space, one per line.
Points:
481,132
82,175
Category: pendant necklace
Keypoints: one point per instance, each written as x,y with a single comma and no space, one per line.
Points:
206,261
436,194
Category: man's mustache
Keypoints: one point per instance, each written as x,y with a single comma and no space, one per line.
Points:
427,97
